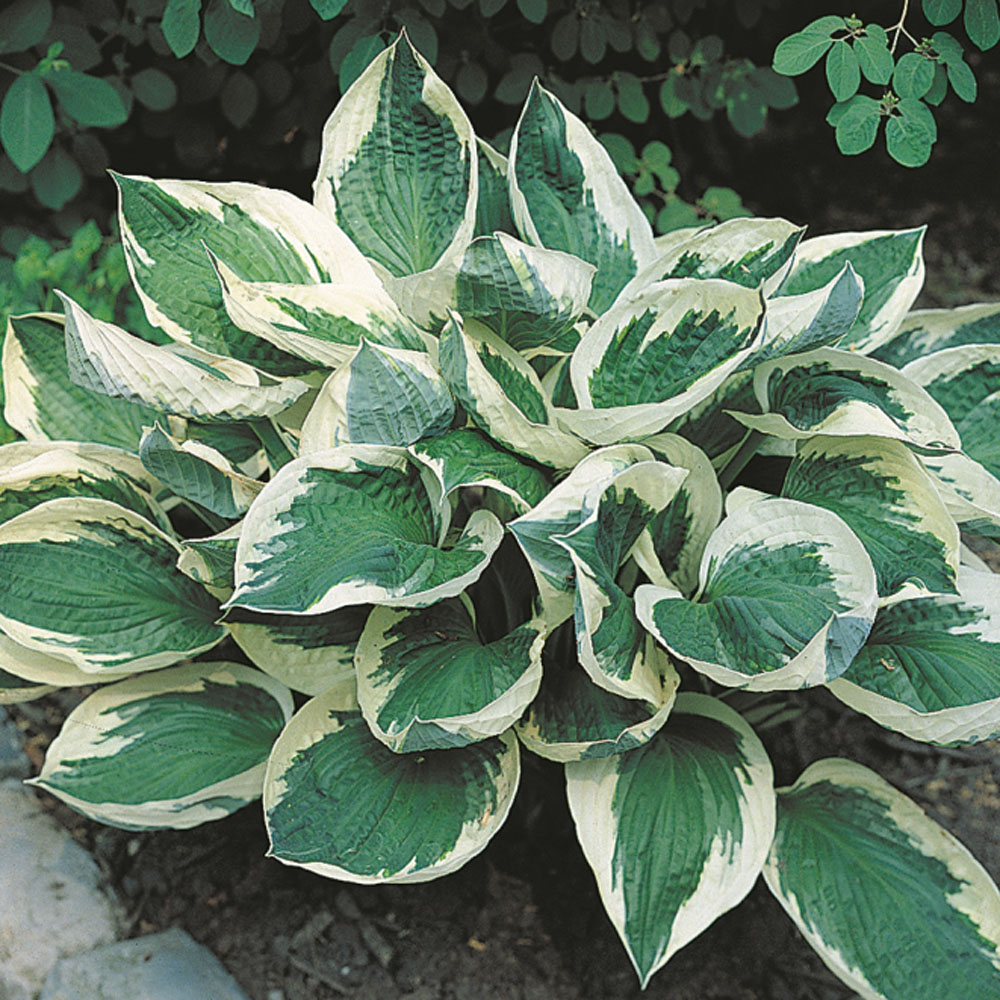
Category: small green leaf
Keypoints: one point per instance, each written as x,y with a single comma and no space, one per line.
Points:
181,25
26,121
942,11
673,104
533,10
87,99
231,36
913,76
593,40
857,125
982,23
244,7
357,60
23,24
778,91
946,47
873,55
239,98
843,73
471,82
56,179
801,51
328,9
910,135
566,36
939,88
599,100
962,80
155,90
632,102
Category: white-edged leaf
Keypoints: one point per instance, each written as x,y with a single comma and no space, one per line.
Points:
970,492
405,194
211,561
96,583
892,903
709,424
14,690
378,396
566,194
172,749
787,598
359,524
493,205
340,804
925,331
36,667
702,791
931,666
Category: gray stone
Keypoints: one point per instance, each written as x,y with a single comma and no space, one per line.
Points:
167,966
14,762
52,901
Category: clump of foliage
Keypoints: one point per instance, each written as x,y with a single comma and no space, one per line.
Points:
908,79
451,456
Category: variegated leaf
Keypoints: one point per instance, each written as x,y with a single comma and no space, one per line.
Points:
31,665
971,493
566,194
33,472
574,719
340,804
406,195
493,205
356,525
925,331
653,356
787,598
427,681
43,404
172,749
678,830
931,666
502,394
835,392
198,473
379,396
182,380
308,653
794,324
322,324
96,583
466,457
895,906
212,561
888,500
562,510
677,537
610,641
889,262
709,424
748,252
15,689
260,233
530,297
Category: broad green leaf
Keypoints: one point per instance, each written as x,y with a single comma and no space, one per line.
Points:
88,100
611,644
843,75
889,501
530,297
26,121
23,23
322,324
179,379
927,330
169,750
31,473
930,668
794,324
356,525
31,666
502,395
427,681
836,392
566,195
913,75
857,127
562,510
181,25
405,196
261,234
340,804
379,396
678,535
651,357
874,57
940,12
889,262
895,906
801,51
96,583
309,653
197,473
787,597
574,719
466,457
702,791
493,204
982,23
748,252
910,135
962,80
44,405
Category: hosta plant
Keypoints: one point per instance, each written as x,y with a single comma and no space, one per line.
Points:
444,469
